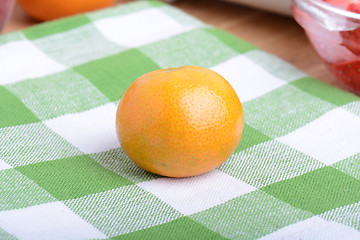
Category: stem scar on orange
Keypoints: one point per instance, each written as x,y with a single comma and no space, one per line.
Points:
179,122
44,10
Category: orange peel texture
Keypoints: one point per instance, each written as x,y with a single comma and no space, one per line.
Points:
179,122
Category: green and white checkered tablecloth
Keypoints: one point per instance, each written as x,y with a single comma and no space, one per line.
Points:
63,175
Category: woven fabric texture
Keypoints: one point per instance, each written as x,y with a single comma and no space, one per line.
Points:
63,175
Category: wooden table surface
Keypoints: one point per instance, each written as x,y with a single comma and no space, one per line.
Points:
279,35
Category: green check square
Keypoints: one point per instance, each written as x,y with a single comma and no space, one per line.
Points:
77,46
122,210
12,111
180,17
6,236
112,75
250,216
182,228
11,37
287,109
58,94
325,91
32,143
353,107
275,66
251,137
350,166
237,44
117,161
269,162
347,215
73,177
196,47
53,27
318,191
18,191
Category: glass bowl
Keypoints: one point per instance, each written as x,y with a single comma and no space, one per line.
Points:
6,8
335,35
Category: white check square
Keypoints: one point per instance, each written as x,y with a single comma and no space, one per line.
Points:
90,131
47,221
248,79
151,24
314,228
30,62
332,137
4,166
195,194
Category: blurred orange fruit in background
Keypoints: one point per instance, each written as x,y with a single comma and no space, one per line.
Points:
179,122
52,9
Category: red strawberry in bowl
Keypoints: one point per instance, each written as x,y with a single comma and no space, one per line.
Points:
351,39
334,33
340,3
347,72
354,7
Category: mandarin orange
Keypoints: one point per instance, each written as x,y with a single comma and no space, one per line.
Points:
52,9
179,122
